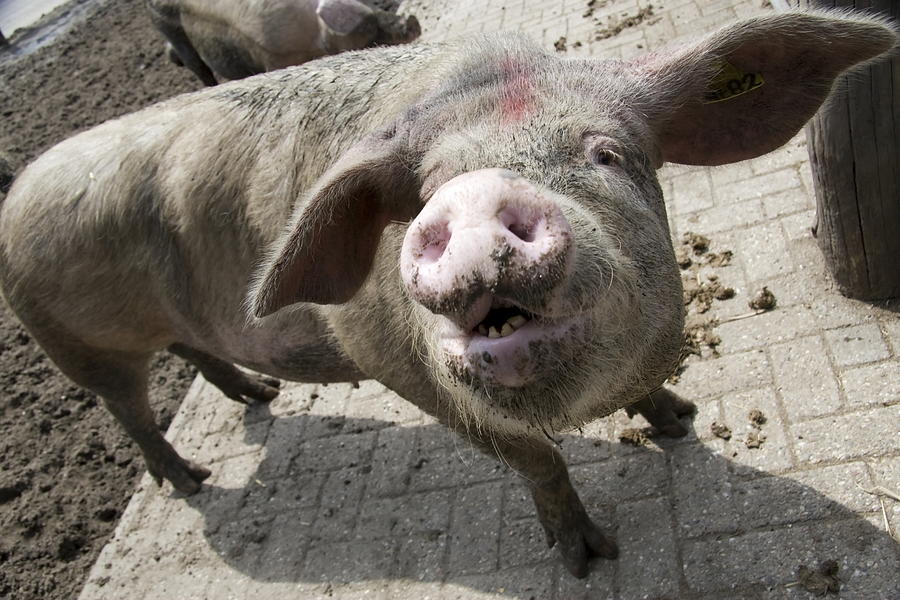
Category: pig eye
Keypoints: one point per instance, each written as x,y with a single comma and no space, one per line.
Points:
605,157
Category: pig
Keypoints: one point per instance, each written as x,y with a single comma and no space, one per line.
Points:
477,225
223,40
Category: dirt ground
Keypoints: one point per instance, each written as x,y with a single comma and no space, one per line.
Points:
67,470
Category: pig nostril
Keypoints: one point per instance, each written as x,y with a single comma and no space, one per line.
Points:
522,231
433,242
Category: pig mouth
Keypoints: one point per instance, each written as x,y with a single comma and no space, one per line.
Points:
502,344
502,320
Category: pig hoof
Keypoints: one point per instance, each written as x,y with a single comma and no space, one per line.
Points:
186,476
248,389
578,544
662,410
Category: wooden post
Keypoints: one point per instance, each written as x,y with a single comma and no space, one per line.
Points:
854,150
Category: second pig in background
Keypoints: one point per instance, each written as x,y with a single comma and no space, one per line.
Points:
232,39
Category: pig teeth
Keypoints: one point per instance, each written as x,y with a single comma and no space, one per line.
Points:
516,321
482,330
493,333
507,329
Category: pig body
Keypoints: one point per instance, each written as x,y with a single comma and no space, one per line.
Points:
490,242
232,39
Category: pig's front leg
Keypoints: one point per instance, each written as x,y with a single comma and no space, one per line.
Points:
559,508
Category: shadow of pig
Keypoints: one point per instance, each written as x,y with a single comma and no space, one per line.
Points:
324,505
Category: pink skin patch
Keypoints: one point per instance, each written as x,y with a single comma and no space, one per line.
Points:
517,97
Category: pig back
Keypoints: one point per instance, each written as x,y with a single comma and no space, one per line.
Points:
165,213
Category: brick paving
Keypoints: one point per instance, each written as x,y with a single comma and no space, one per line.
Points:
336,492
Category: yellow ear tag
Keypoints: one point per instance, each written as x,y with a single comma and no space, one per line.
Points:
730,83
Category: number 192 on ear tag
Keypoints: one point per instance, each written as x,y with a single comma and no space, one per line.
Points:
731,82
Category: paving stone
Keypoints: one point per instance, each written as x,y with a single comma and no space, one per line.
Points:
798,226
793,153
517,502
433,436
476,524
649,562
591,444
635,476
174,583
420,513
339,504
294,399
764,252
723,175
600,584
708,411
284,552
857,345
421,556
294,490
759,186
523,542
703,490
867,434
892,330
691,192
242,440
886,473
713,378
396,452
779,325
387,408
722,218
282,444
872,384
199,415
804,496
331,399
774,452
348,562
867,558
454,466
524,582
341,451
227,415
805,378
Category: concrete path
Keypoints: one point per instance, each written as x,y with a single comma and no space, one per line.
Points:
335,492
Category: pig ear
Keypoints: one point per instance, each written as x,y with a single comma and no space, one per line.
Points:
345,17
327,251
747,89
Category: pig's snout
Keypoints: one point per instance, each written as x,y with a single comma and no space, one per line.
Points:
486,231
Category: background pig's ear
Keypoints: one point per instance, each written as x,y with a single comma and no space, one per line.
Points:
328,249
748,88
345,17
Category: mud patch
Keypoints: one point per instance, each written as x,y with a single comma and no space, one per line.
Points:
616,25
821,581
720,431
755,437
763,300
638,436
700,290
